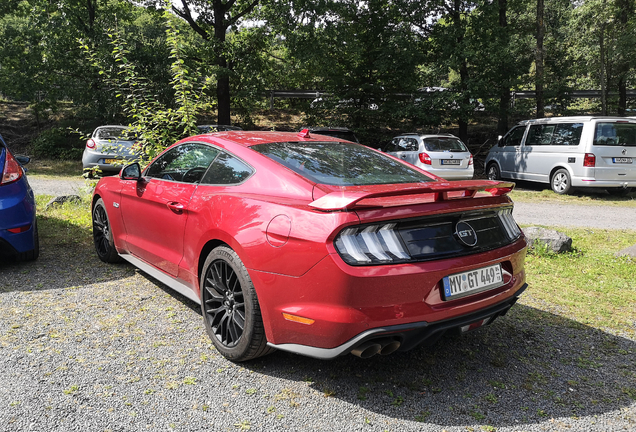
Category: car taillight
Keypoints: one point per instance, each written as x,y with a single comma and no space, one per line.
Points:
470,161
372,244
19,230
589,160
425,158
12,170
90,144
511,227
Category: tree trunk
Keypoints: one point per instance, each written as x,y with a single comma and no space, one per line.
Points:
602,72
223,78
539,70
625,11
504,93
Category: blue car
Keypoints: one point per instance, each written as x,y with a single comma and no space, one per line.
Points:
18,227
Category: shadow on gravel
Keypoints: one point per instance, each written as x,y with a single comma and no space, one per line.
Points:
526,368
67,259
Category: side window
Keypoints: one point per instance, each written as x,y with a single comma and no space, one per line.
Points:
407,144
227,170
185,163
540,135
567,134
391,147
513,138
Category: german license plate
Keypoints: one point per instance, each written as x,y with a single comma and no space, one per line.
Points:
111,161
451,162
623,160
470,282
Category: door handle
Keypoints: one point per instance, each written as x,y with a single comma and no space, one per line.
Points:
176,207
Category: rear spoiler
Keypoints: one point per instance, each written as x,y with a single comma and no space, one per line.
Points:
432,192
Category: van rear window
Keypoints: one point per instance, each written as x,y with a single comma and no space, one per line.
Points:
615,134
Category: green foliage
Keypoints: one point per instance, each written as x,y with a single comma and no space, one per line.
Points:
57,143
157,124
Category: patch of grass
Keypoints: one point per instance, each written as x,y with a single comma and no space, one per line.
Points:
630,392
476,414
72,389
591,285
362,393
422,416
54,168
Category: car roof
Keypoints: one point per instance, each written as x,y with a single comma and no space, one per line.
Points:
111,126
573,119
442,135
250,138
326,128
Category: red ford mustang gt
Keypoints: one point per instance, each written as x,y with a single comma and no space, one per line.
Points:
313,245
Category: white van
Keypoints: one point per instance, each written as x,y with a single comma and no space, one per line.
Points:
568,152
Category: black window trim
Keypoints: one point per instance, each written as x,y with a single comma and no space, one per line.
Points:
220,150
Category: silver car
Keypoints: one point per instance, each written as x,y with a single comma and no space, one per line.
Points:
109,148
444,155
568,152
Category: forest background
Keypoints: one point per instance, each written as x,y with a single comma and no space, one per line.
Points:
380,67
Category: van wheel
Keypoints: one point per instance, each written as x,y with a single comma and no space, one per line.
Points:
493,172
561,182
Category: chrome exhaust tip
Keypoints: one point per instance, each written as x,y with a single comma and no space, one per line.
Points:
367,349
390,348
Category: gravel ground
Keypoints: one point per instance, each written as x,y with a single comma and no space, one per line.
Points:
56,187
86,346
567,215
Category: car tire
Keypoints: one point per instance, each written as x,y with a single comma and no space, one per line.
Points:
103,235
34,253
493,172
230,308
619,191
560,182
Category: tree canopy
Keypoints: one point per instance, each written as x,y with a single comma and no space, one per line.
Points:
376,63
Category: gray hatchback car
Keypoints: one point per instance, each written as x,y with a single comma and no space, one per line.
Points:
109,148
444,155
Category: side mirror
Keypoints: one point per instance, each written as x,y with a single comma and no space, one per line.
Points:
131,172
23,159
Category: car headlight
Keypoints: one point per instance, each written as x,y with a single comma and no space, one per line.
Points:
371,244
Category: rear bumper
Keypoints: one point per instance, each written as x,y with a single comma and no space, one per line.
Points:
408,336
590,182
96,160
17,211
351,304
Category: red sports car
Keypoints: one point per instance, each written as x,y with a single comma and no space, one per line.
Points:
312,244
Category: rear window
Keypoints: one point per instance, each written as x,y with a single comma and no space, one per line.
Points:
340,164
615,134
444,144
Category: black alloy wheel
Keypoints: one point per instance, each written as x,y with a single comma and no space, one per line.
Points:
102,234
230,308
